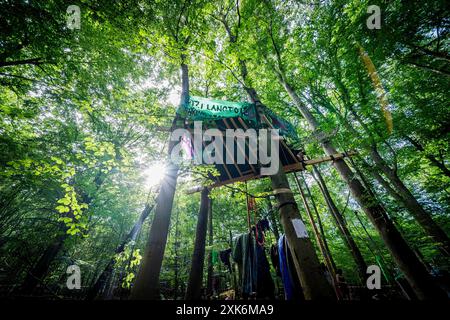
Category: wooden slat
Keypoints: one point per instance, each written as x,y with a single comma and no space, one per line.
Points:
246,128
228,152
224,166
245,141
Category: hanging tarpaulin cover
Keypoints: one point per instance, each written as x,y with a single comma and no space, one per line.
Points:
287,130
199,108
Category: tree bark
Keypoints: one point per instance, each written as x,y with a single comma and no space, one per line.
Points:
42,266
312,279
194,287
325,253
414,207
209,282
342,226
146,286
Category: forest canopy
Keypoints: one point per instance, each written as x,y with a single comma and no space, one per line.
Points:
90,92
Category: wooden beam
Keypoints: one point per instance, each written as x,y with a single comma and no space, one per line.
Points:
334,156
246,128
294,167
243,151
224,166
228,152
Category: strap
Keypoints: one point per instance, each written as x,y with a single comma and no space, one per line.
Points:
286,203
282,190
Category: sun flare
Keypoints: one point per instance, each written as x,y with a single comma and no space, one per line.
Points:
154,174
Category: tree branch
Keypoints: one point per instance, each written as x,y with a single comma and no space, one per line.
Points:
33,61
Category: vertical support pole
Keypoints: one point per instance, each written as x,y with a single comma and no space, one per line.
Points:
193,291
233,270
312,279
176,267
249,224
273,220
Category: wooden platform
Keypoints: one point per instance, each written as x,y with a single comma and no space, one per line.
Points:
239,172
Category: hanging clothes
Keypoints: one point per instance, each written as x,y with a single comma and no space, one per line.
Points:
243,255
275,259
265,286
224,256
292,287
254,269
263,225
259,235
214,257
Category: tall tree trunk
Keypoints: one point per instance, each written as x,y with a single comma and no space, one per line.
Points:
209,281
325,253
313,281
146,286
402,193
413,269
194,287
101,282
342,226
176,263
414,207
42,266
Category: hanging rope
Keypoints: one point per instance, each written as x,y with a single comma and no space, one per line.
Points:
248,207
251,206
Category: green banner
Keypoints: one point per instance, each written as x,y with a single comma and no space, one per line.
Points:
199,108
202,109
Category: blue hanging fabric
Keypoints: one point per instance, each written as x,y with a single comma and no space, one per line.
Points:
285,276
292,288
